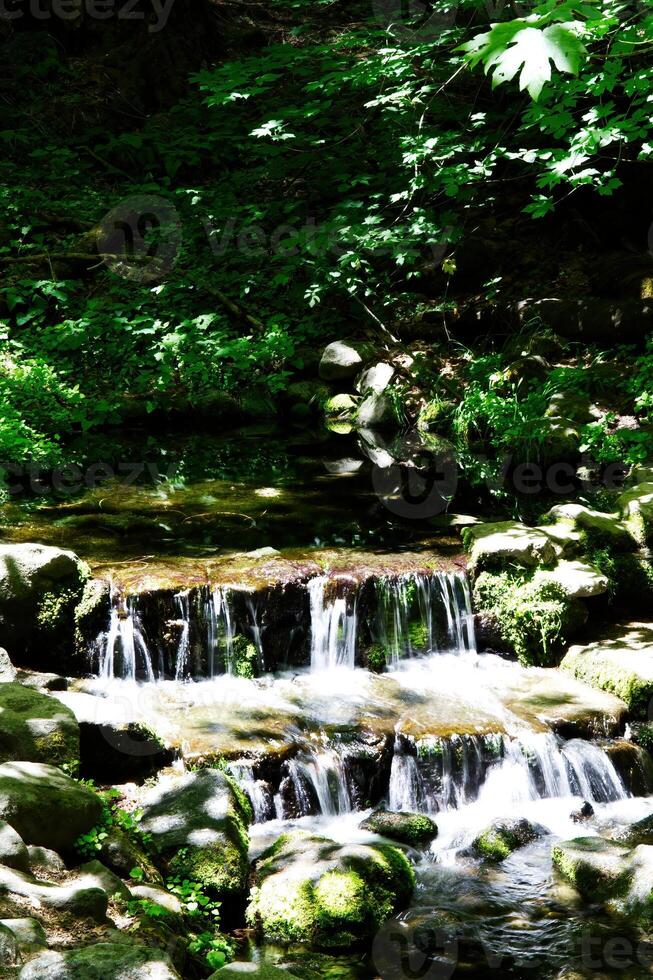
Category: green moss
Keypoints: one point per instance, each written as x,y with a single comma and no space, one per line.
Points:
535,617
54,608
418,635
244,658
341,406
220,868
414,829
610,676
597,868
377,658
630,576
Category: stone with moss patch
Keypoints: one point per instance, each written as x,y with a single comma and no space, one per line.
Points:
499,840
594,529
620,662
313,891
598,869
534,615
494,546
36,728
414,829
110,961
199,823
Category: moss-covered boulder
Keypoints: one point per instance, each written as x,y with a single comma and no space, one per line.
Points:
313,891
13,850
636,507
534,615
101,961
121,854
40,588
35,727
620,662
199,824
258,971
414,829
579,579
500,839
594,529
496,546
45,806
598,869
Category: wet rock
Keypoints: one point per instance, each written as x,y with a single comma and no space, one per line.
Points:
45,860
122,855
634,765
93,874
503,837
339,361
341,467
584,812
42,680
341,406
620,662
376,378
45,806
199,823
73,898
313,891
414,829
640,832
29,933
107,961
507,542
39,589
13,852
599,869
377,411
36,728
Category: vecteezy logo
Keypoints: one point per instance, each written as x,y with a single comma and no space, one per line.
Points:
405,950
415,21
414,481
140,239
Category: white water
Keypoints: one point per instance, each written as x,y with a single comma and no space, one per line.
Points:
122,651
334,624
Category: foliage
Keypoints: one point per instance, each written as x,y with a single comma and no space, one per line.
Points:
89,844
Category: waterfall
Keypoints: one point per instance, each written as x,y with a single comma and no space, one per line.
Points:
220,631
498,770
122,651
258,791
457,600
182,607
333,624
319,781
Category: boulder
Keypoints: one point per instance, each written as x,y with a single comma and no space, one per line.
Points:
159,896
45,859
40,587
377,411
93,874
9,949
247,970
571,405
414,829
122,855
342,405
45,806
599,869
580,580
583,812
29,933
620,662
376,378
507,543
199,823
7,670
597,528
72,898
36,728
636,507
13,852
325,895
102,961
339,361
500,839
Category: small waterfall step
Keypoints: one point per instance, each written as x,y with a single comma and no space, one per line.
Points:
269,611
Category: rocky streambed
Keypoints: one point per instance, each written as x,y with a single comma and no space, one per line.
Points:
347,761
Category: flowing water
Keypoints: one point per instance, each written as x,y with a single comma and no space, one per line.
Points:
461,735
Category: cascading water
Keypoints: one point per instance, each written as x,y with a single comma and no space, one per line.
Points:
320,784
182,605
499,770
334,624
122,651
220,631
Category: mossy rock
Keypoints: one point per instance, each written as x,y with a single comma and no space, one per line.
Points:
313,891
36,728
499,840
596,529
535,616
496,546
101,961
199,824
340,406
620,662
414,829
598,869
636,508
257,971
45,806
